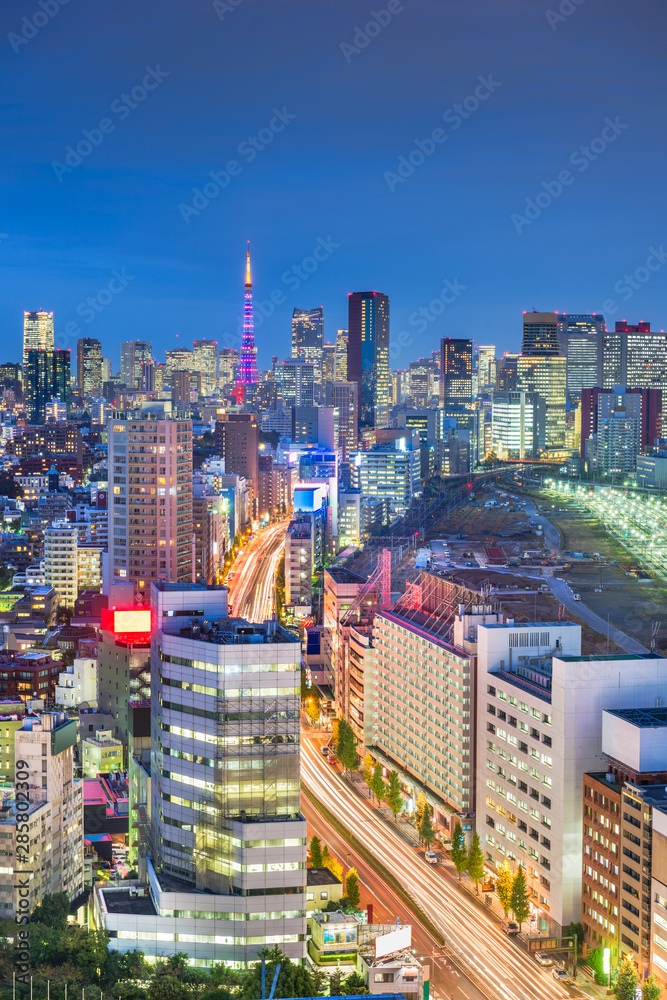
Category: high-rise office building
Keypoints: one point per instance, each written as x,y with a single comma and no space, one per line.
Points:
248,362
518,425
180,359
635,356
580,339
328,363
546,376
237,442
205,360
227,828
368,356
486,368
308,337
150,496
181,387
507,372
421,381
540,335
228,361
614,446
295,382
344,397
47,376
89,366
455,374
37,333
341,355
132,354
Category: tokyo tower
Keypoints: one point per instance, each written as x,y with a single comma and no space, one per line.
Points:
248,366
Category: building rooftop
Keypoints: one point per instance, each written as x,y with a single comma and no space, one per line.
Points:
120,901
342,575
603,776
174,588
322,876
563,624
643,718
235,632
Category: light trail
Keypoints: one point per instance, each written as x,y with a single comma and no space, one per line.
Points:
252,589
505,970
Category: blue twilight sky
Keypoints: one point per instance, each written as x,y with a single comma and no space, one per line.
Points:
303,109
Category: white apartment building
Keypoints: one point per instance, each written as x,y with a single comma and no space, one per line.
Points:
61,561
299,564
226,874
423,705
539,728
78,683
150,497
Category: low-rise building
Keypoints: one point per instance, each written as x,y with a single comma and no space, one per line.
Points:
322,887
78,683
101,754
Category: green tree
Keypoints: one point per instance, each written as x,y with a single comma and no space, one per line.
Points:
651,989
504,882
475,863
352,889
53,910
627,981
394,797
378,783
459,852
426,831
63,615
368,771
336,983
354,985
316,853
346,746
166,987
520,897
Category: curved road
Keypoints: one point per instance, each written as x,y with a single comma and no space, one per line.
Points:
252,588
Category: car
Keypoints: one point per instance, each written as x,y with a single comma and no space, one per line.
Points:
325,751
577,597
332,759
560,975
470,563
509,927
542,958
431,858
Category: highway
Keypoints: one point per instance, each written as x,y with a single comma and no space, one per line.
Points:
252,588
501,967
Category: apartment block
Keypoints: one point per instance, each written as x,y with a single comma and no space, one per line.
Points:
61,567
150,497
539,729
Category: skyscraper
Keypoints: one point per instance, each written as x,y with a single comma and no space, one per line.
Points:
540,335
486,368
368,355
295,381
132,354
37,333
237,442
308,337
89,366
328,363
205,360
150,496
47,376
228,359
341,355
581,339
546,376
455,374
248,367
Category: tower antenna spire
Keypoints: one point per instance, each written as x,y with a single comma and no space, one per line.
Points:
248,278
247,375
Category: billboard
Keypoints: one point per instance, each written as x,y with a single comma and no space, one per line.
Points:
396,940
129,622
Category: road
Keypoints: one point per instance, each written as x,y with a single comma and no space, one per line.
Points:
446,980
252,588
503,969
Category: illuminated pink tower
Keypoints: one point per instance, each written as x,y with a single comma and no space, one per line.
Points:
248,367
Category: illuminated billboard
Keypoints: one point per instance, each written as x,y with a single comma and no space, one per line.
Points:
396,940
128,622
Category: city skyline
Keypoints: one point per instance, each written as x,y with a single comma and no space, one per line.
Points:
67,230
